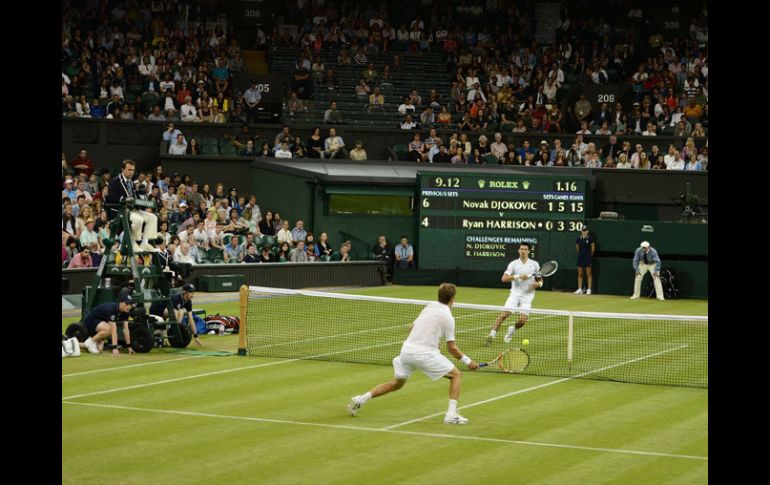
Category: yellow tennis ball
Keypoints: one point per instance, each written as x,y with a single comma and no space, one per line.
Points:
525,342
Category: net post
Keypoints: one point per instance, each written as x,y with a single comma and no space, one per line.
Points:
244,301
570,339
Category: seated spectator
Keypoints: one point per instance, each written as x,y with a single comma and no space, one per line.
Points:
252,256
332,115
200,235
298,233
461,158
266,224
358,153
344,253
310,248
179,146
416,149
299,254
88,235
266,255
82,259
283,151
234,251
404,254
407,107
334,146
376,100
324,248
444,117
408,124
234,224
295,104
216,240
188,111
362,89
330,81
383,251
693,164
182,254
284,234
703,158
284,253
82,164
650,131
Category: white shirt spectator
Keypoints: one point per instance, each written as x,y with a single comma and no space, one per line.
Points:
189,112
676,165
282,152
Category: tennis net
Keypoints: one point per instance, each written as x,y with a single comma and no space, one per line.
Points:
647,349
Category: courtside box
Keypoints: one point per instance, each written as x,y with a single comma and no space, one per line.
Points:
231,282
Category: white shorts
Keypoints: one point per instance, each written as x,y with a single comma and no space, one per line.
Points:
519,301
435,365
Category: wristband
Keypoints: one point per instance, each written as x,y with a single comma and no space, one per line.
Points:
466,360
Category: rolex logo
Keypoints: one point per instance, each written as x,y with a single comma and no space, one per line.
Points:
482,183
525,184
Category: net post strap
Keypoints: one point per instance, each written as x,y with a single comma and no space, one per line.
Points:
244,304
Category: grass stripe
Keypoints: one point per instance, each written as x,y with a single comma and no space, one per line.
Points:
385,430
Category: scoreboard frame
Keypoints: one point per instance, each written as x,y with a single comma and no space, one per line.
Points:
476,220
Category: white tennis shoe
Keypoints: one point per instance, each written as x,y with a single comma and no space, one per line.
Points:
509,334
579,291
455,419
588,291
91,346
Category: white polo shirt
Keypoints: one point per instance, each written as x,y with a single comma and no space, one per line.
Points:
517,267
434,322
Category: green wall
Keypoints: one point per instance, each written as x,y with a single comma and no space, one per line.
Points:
296,197
668,238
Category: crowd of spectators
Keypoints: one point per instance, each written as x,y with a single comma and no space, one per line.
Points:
197,224
173,61
499,77
150,60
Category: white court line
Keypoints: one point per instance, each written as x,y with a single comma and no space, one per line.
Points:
551,383
385,430
132,365
167,381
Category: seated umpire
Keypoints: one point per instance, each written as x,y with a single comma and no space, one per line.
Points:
120,190
102,321
182,305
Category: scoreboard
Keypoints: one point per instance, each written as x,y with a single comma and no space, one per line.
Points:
476,221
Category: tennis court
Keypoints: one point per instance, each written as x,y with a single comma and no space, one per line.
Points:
196,418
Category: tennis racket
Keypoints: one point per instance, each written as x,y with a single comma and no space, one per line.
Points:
547,269
511,361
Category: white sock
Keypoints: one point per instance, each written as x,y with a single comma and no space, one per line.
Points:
452,407
366,397
512,329
493,333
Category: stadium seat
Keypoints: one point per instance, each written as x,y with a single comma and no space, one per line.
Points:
401,151
215,255
269,240
209,150
209,141
491,160
227,150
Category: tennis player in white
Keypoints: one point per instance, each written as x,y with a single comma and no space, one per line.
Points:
521,274
420,352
